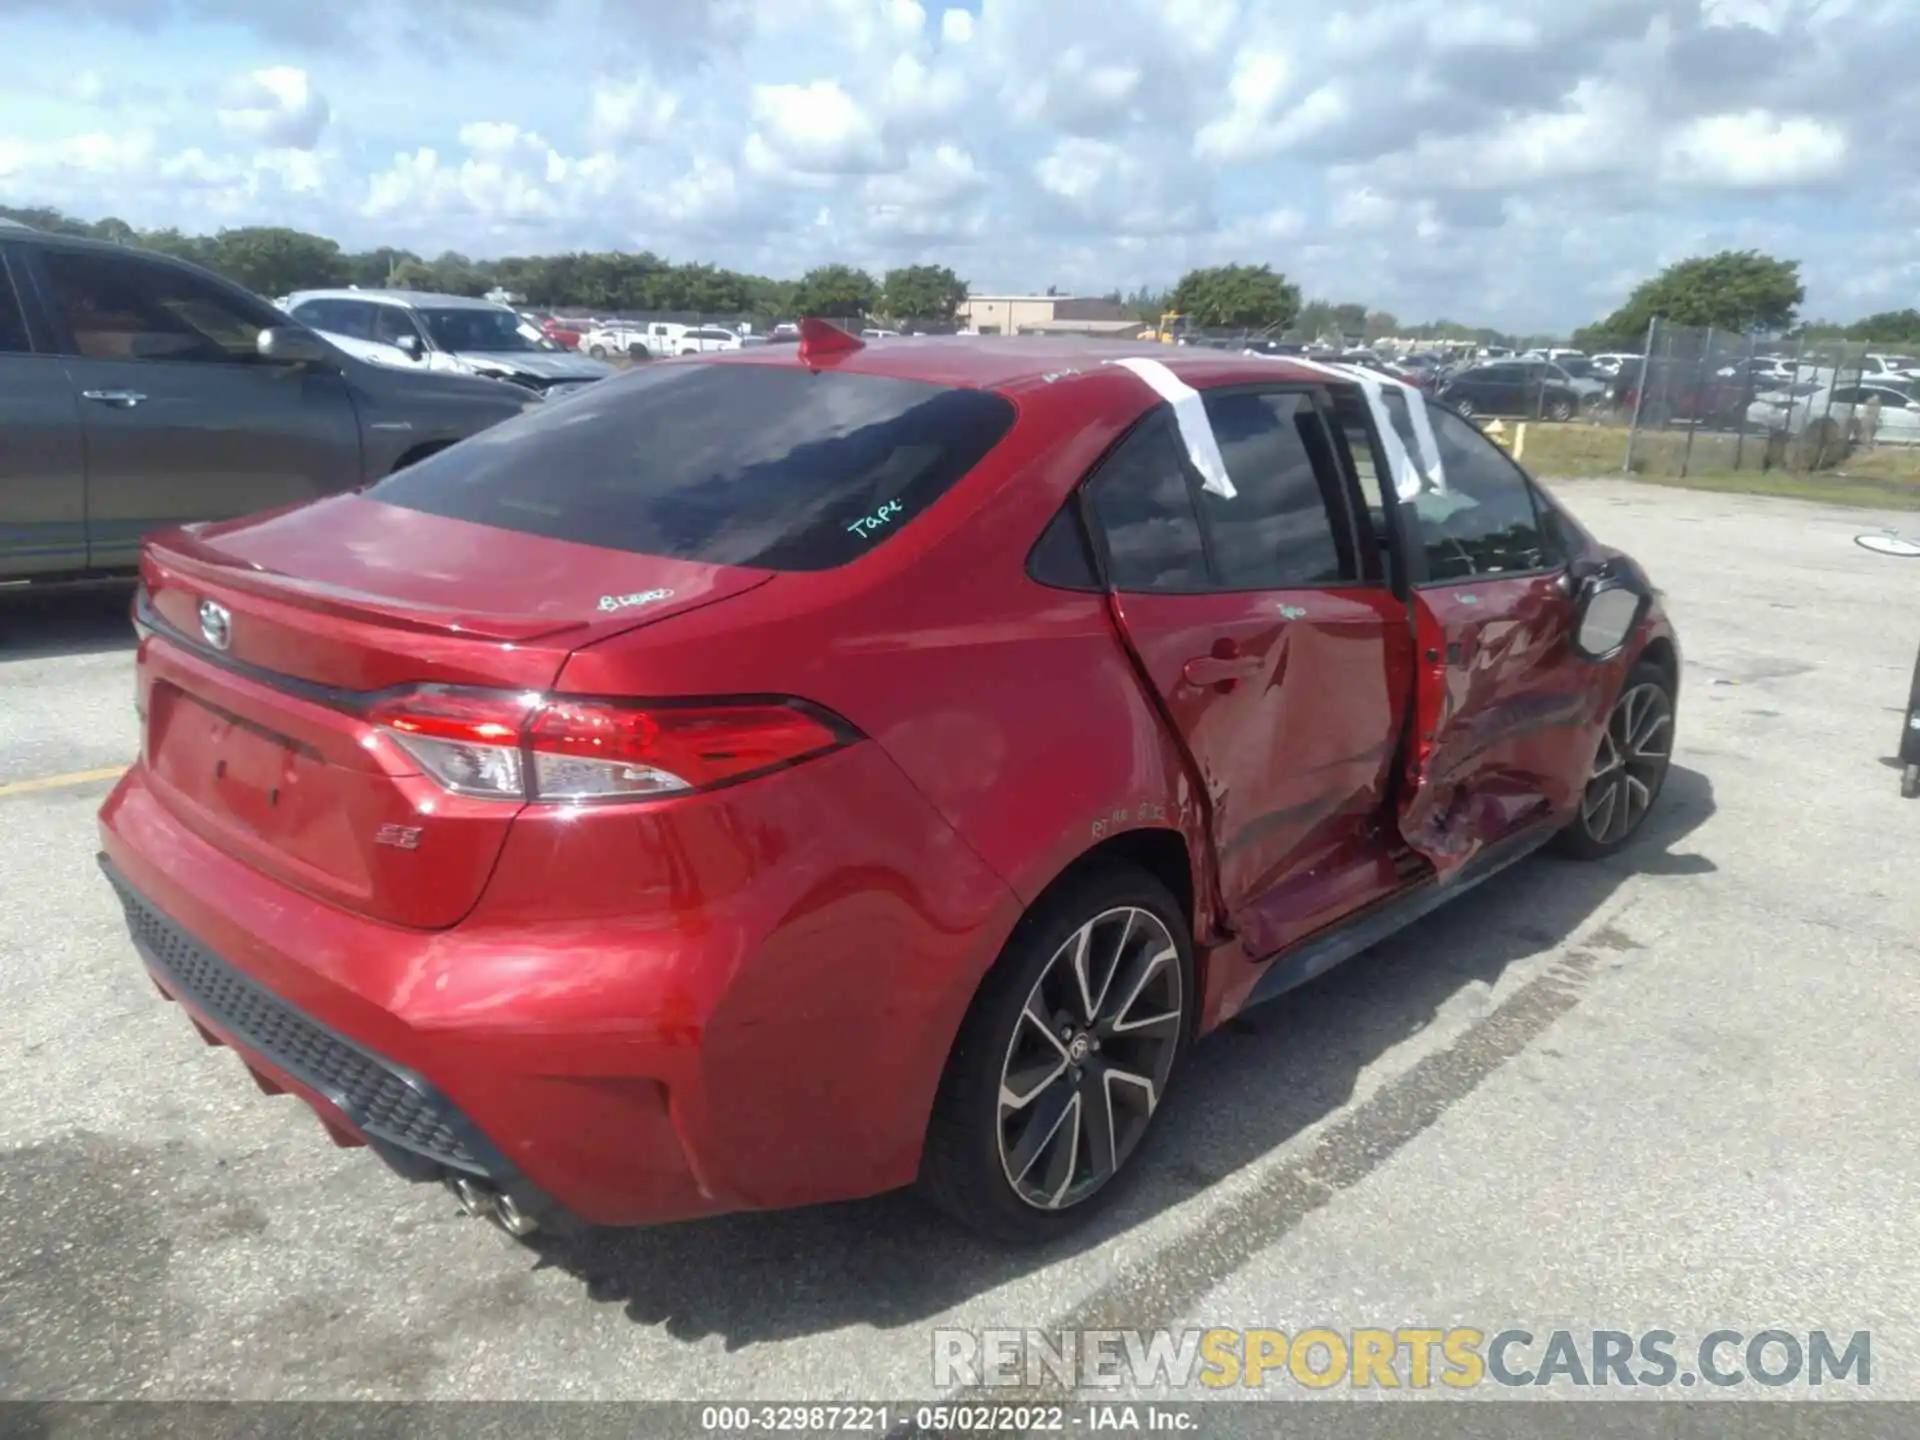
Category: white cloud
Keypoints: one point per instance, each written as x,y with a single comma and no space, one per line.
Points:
277,107
818,127
1755,149
640,112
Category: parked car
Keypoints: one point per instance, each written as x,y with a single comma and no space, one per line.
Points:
1515,388
737,786
567,334
707,340
1587,382
1875,367
616,337
1899,422
139,392
450,333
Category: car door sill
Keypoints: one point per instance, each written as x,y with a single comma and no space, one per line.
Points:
1318,954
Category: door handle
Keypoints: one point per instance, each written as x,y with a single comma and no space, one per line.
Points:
119,399
1223,671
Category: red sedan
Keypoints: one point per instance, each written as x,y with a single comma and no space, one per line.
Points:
783,776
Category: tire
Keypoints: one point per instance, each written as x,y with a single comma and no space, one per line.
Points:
976,1141
1910,783
1603,827
1561,410
1462,407
598,352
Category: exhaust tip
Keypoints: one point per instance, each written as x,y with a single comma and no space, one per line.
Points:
483,1202
474,1198
511,1218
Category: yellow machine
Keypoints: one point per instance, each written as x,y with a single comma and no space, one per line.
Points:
1171,327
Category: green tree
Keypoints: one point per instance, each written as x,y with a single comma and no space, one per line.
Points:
1236,297
922,292
271,259
1890,327
837,292
1735,290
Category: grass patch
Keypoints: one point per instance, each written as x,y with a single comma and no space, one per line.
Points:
1887,478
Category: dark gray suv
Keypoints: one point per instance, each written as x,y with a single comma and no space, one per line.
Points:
139,392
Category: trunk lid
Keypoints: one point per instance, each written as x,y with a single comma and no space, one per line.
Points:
260,746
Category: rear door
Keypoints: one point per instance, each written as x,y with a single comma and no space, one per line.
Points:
43,517
1504,713
1275,649
184,419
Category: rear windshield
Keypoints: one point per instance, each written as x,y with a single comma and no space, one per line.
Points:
757,465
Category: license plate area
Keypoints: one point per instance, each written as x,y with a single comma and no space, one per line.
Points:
225,763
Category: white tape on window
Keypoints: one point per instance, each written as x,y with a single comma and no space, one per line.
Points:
1190,414
1407,480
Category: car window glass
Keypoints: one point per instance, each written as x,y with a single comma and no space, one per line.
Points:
14,339
1350,409
391,325
754,465
1485,523
1145,507
120,308
1276,532
1059,558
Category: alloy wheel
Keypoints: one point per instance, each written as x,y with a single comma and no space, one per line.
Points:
1463,408
1630,766
1089,1058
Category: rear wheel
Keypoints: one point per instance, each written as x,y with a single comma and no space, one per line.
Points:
598,352
1910,783
1629,768
1462,407
1063,1059
1560,409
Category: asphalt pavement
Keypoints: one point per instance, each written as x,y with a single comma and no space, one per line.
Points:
1674,1091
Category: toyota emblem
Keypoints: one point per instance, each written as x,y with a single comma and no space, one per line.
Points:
216,623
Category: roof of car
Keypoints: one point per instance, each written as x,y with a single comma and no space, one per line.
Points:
991,362
410,298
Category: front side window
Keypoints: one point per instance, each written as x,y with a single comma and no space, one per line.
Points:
392,325
755,465
1484,525
118,307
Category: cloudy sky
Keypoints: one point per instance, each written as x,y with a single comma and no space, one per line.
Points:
1518,162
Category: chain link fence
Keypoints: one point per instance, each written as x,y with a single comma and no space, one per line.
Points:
1703,400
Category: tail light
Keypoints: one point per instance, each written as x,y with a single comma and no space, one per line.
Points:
568,748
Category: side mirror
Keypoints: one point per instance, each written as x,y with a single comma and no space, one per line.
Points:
293,345
1607,609
410,344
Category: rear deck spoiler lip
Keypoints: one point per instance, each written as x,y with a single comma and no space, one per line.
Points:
180,553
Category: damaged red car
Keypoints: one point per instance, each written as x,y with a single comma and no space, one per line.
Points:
781,777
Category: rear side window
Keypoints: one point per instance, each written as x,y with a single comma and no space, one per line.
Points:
13,319
1146,514
756,465
1277,532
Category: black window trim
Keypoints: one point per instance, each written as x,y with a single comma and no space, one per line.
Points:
1417,551
69,348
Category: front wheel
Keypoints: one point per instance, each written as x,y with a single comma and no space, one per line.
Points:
1462,407
1063,1059
1910,783
598,352
1629,769
1561,409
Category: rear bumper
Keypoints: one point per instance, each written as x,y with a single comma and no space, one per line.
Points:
779,1046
